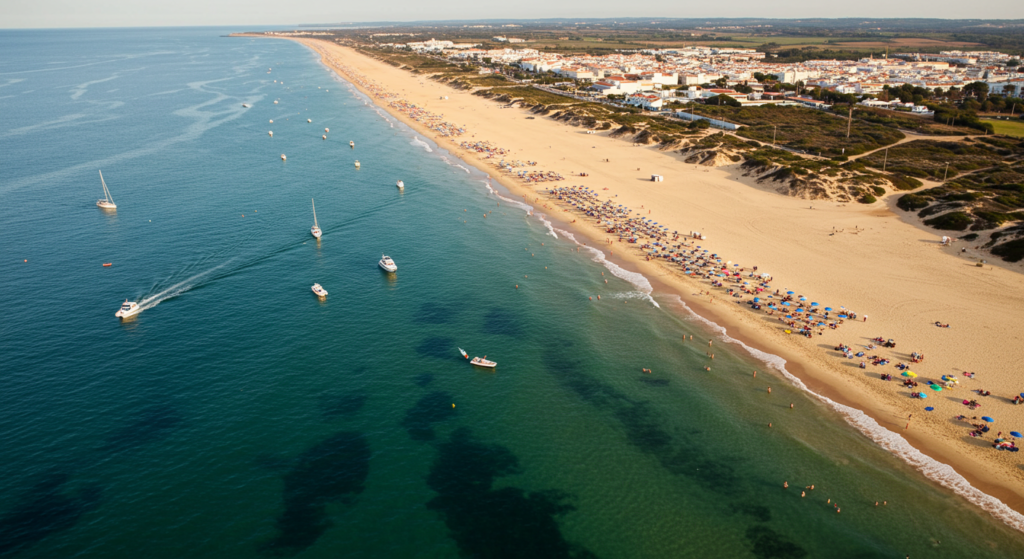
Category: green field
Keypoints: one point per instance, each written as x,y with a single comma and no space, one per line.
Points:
1008,127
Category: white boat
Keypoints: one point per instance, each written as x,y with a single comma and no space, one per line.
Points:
387,264
320,291
107,203
283,158
351,144
401,185
357,163
245,105
483,362
324,136
315,229
328,130
309,120
464,354
128,309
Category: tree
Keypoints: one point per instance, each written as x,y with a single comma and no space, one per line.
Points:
722,81
976,89
723,100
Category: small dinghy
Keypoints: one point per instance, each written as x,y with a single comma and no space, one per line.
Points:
479,361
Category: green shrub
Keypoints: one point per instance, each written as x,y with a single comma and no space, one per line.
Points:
867,199
1012,251
912,202
903,182
953,221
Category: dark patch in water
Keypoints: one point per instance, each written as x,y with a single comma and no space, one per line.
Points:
440,347
435,313
432,408
769,544
423,379
332,471
759,512
488,523
644,429
150,425
342,405
43,510
503,322
654,381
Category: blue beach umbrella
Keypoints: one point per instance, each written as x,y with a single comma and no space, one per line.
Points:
789,293
799,310
803,298
829,309
814,304
786,304
1015,434
922,396
988,419
757,299
789,316
842,316
929,408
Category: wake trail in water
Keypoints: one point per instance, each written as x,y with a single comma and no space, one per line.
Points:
176,289
943,474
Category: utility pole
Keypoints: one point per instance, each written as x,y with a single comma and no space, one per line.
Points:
774,130
885,159
849,121
946,172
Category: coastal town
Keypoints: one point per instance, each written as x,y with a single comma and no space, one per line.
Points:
656,78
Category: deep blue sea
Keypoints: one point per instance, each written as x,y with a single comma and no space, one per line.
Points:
239,416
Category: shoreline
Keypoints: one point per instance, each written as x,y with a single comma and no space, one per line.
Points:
739,331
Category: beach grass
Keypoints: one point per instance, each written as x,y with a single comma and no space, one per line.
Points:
1008,127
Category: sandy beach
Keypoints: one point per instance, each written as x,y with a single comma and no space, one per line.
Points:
893,274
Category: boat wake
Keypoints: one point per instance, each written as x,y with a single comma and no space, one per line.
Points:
943,474
177,289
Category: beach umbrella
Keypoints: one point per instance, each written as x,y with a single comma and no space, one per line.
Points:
757,299
987,419
821,324
788,316
929,408
906,373
789,293
936,388
842,316
1016,434
786,304
799,310
814,304
803,298
922,395
829,309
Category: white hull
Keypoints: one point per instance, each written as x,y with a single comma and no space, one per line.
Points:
316,232
319,291
401,185
315,229
106,205
132,310
387,264
481,362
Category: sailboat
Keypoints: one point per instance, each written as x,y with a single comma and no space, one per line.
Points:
315,230
107,203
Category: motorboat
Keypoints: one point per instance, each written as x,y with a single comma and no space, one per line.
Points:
479,361
107,203
245,105
401,185
387,264
352,144
482,362
315,229
128,308
319,291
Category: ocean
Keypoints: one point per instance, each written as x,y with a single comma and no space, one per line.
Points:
239,416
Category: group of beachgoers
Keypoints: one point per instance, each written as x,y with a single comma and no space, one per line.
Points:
421,115
484,148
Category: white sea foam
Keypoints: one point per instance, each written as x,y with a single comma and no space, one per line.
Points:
418,142
943,474
637,279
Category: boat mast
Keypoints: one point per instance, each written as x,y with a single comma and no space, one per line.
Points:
106,191
315,224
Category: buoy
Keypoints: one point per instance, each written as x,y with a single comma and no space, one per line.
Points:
283,158
271,121
453,405
517,285
309,120
357,163
328,130
591,298
324,136
271,133
275,102
26,260
598,297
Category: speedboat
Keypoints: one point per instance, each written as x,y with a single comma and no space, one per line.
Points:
483,362
128,309
387,264
401,185
320,291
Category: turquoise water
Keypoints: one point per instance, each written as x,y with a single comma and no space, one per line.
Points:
238,416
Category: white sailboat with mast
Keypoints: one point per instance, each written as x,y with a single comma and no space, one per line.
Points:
107,203
315,230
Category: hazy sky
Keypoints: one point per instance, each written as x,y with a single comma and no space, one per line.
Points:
283,13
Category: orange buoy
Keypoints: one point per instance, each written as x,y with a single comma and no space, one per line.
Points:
598,297
107,264
591,298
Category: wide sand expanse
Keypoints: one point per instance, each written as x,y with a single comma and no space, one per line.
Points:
892,273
